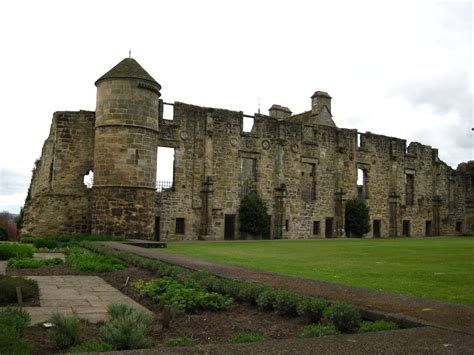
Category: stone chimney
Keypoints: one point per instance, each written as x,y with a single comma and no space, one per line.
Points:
278,111
320,99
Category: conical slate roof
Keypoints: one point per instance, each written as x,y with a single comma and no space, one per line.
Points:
128,69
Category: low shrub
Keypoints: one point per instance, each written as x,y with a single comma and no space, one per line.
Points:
311,308
179,341
286,302
15,317
127,329
90,346
11,341
249,292
379,325
245,337
47,243
266,299
82,260
8,285
182,297
8,251
318,330
17,263
66,330
344,316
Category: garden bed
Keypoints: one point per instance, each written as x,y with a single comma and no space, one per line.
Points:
203,327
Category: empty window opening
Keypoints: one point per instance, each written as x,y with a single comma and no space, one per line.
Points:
179,225
287,225
168,111
248,172
308,182
89,179
360,140
428,232
409,189
316,227
165,167
328,227
406,228
247,123
362,190
459,227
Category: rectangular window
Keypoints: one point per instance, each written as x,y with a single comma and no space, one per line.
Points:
248,172
409,189
287,225
315,227
308,182
459,227
179,225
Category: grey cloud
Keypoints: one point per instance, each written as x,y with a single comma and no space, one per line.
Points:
12,182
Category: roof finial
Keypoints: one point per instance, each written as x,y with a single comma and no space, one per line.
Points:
258,105
130,53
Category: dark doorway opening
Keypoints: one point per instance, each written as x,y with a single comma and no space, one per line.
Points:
376,228
406,228
157,228
267,234
428,232
328,231
229,227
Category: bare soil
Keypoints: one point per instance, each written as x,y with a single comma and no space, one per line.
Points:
204,327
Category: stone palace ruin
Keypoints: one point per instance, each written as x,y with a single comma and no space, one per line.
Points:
303,166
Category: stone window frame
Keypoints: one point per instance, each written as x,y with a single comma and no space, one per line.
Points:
249,155
316,227
314,162
366,171
410,201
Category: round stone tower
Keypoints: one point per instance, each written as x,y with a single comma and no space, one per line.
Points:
126,133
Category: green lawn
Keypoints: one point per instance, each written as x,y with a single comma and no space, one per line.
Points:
436,268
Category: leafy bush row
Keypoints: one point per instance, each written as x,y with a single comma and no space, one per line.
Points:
8,285
82,260
343,316
8,251
18,263
54,242
184,297
13,321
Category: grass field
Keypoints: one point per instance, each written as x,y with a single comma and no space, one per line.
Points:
435,268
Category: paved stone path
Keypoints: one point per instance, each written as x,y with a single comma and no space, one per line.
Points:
62,256
87,296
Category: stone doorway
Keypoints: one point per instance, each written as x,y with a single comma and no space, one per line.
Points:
428,230
329,227
229,227
376,228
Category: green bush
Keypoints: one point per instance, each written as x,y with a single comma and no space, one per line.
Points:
3,234
357,218
8,251
249,292
286,302
82,260
379,325
66,330
184,298
127,329
179,341
344,316
245,337
253,215
8,285
318,330
46,243
311,308
11,341
17,263
91,346
266,299
15,317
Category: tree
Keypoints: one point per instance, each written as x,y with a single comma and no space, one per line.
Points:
253,215
357,218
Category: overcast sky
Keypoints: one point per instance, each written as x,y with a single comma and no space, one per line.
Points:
402,69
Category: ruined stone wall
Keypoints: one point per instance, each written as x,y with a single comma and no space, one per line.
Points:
305,172
60,202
